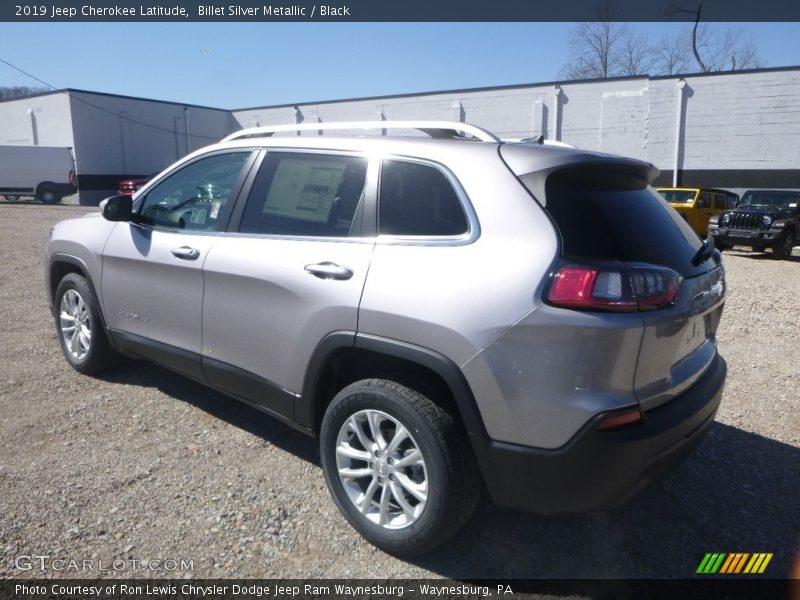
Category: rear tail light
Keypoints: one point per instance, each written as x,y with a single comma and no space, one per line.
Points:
616,288
73,180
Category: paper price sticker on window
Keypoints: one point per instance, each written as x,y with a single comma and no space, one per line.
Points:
198,216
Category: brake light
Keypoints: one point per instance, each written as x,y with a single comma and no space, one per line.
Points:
616,288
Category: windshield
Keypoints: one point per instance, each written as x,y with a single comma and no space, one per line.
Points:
778,199
678,196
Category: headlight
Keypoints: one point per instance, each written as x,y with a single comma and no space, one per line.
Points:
726,218
766,220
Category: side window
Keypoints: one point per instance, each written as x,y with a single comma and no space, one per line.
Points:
198,196
704,201
305,194
417,199
719,201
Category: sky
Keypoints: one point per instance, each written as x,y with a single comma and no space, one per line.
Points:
238,65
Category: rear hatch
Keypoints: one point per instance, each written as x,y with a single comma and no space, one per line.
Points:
607,214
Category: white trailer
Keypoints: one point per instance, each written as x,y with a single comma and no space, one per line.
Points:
46,173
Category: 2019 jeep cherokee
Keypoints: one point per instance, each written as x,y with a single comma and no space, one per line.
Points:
442,313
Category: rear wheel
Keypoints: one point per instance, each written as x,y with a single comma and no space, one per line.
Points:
80,331
398,466
783,249
47,195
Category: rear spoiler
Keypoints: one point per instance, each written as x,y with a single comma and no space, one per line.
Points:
534,164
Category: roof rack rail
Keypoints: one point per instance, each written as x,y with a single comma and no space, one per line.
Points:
435,129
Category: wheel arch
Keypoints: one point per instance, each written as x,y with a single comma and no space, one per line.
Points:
346,356
45,184
61,265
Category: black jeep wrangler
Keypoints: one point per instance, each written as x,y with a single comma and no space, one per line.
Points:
762,219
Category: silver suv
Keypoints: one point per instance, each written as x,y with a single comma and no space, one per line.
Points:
443,314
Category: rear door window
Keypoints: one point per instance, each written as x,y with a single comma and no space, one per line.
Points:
306,194
609,213
418,200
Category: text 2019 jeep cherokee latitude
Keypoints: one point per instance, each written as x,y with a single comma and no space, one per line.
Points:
442,313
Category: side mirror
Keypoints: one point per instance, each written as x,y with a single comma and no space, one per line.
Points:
117,208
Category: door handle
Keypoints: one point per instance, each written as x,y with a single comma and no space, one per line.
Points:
329,270
185,253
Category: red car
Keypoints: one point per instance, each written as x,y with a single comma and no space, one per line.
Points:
128,187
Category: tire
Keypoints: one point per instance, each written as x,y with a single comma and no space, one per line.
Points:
722,246
426,500
783,249
85,345
47,195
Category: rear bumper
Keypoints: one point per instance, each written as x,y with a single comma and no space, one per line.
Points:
598,470
67,189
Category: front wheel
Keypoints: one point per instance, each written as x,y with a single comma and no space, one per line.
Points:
783,249
722,246
80,331
398,466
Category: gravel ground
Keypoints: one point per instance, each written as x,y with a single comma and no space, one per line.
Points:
144,464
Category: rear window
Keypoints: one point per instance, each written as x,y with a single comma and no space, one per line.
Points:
678,196
610,213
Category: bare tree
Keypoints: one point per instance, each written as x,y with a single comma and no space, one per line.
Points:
729,50
634,55
19,91
607,49
673,54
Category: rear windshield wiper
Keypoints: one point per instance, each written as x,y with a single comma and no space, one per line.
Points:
704,253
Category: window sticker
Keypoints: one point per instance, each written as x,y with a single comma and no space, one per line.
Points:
304,189
198,216
792,204
215,209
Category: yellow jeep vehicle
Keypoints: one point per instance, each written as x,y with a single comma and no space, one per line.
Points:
698,205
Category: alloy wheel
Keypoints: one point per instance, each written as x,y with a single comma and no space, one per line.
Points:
382,469
75,324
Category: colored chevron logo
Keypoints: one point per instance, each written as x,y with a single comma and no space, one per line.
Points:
734,563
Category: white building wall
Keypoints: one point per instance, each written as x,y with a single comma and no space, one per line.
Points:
121,136
37,121
743,121
731,122
736,128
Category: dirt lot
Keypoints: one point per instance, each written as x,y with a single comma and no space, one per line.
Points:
144,464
